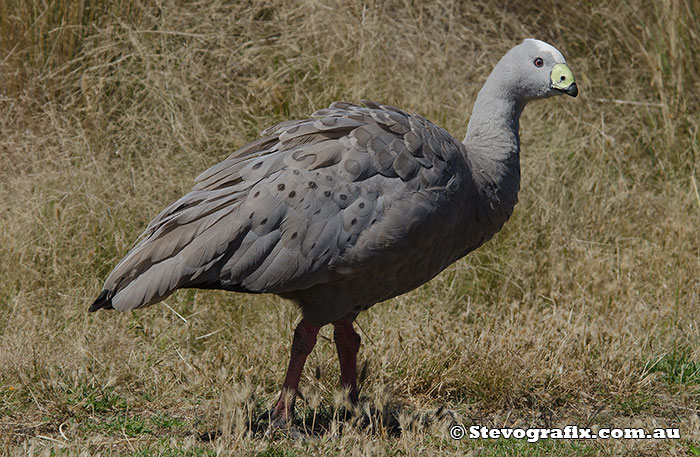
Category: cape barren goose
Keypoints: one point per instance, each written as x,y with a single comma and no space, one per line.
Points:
346,209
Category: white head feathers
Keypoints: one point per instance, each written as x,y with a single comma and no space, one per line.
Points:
548,48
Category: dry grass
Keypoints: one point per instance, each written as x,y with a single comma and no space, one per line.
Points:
583,310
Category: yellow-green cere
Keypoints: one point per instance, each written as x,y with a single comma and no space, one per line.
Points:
561,76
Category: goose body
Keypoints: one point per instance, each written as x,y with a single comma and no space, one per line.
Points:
338,212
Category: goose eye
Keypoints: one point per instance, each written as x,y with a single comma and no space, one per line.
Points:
538,62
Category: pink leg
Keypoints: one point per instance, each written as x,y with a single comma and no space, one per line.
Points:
302,344
347,342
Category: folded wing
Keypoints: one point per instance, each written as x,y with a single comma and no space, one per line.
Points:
277,214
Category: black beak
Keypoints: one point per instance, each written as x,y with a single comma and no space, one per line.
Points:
572,90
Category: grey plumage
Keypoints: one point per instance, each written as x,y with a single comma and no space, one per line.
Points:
313,203
350,207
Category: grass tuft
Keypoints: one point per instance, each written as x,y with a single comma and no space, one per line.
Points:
129,426
678,368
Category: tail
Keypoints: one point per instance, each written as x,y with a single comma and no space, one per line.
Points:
184,246
103,301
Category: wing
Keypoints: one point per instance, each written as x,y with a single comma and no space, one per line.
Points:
279,213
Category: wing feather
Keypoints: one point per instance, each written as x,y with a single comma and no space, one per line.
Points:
281,213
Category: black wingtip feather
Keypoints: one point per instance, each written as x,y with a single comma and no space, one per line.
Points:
104,301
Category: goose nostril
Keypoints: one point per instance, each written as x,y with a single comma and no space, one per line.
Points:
562,78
